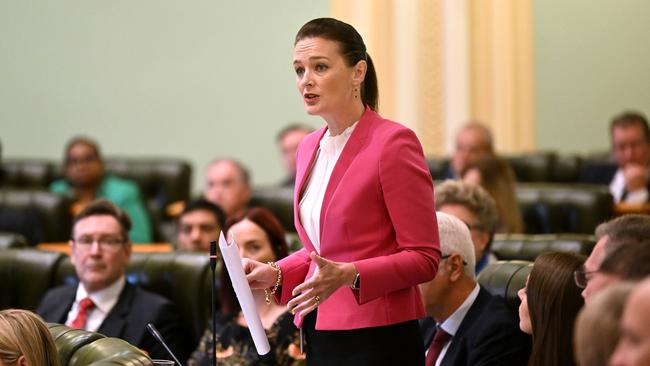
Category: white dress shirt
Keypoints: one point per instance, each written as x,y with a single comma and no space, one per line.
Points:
104,301
312,200
617,186
451,324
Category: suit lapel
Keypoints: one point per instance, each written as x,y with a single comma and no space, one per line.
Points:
455,351
60,312
350,151
115,322
303,172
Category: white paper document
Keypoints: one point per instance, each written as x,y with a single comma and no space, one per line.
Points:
231,258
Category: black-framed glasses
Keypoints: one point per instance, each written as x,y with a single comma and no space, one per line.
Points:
108,243
442,258
581,277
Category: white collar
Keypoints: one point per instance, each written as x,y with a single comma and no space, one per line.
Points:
451,324
105,298
331,143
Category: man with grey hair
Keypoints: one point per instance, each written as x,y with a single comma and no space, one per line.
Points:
623,230
466,324
476,208
227,185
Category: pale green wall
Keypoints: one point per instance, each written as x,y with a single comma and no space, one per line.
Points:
200,79
592,60
193,79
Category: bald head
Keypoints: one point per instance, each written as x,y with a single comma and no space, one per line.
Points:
473,140
227,185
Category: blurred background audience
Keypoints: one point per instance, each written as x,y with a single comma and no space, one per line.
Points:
496,176
288,140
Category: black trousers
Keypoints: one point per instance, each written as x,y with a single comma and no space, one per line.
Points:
391,345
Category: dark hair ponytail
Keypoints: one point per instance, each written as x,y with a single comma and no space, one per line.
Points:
353,50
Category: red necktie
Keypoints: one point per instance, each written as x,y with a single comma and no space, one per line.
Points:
80,321
439,341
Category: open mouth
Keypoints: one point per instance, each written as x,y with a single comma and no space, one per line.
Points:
311,98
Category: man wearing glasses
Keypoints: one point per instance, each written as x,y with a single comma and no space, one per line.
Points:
104,301
611,235
466,325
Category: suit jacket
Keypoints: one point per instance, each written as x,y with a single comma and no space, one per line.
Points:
128,319
601,173
598,173
378,213
488,335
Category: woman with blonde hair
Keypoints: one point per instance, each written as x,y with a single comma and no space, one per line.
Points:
25,340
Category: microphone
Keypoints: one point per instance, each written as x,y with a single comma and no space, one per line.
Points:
213,255
159,338
213,265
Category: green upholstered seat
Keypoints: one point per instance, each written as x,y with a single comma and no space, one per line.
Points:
528,247
505,278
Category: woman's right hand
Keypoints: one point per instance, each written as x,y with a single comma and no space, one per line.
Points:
259,275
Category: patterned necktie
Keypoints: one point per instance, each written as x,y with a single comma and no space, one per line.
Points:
80,321
439,341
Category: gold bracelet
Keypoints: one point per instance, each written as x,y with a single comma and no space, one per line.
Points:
278,281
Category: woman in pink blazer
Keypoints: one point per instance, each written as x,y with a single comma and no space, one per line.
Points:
364,212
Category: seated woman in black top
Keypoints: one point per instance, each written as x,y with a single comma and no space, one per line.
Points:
260,237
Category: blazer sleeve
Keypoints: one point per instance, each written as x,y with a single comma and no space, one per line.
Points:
294,270
407,190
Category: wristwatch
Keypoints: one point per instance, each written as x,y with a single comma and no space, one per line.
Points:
357,281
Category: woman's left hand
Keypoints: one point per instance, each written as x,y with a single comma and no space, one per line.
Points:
328,277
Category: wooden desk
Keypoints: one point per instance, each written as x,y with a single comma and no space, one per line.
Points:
137,248
630,208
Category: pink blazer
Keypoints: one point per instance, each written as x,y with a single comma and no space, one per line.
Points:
378,213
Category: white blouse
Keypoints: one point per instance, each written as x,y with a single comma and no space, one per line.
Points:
312,200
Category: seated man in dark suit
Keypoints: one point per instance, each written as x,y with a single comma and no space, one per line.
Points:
628,180
104,301
466,325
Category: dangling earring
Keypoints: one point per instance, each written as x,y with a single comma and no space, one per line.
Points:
355,93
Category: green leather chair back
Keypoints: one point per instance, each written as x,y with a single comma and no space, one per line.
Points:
32,173
25,276
49,212
528,247
563,208
68,341
109,351
79,347
278,200
12,240
505,279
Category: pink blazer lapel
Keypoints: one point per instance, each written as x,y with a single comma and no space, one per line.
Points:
309,147
350,151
